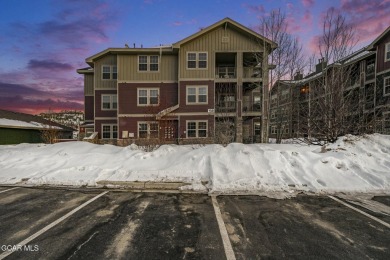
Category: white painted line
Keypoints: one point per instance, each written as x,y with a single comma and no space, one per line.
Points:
9,189
361,212
222,229
43,230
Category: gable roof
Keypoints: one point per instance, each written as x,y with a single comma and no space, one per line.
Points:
225,22
374,43
10,119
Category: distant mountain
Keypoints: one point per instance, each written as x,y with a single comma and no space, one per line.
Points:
68,118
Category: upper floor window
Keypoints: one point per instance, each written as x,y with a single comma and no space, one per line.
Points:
197,60
109,102
386,86
109,72
148,96
109,131
387,52
197,95
196,129
256,128
148,62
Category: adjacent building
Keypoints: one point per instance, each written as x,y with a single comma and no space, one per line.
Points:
206,87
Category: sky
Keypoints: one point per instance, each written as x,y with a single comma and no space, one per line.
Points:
44,42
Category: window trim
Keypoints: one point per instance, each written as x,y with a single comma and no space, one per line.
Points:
197,128
148,63
384,86
197,87
387,50
148,123
148,97
111,131
111,102
197,60
254,128
111,72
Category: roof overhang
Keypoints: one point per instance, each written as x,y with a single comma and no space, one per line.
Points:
372,46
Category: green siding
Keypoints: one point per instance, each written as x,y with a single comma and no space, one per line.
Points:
17,136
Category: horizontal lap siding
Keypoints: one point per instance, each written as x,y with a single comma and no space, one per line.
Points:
89,108
128,69
127,95
196,108
184,119
99,123
98,104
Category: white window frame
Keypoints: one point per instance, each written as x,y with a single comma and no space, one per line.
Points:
113,97
148,63
273,130
197,128
148,97
148,123
386,86
197,87
254,128
197,60
111,131
387,50
111,67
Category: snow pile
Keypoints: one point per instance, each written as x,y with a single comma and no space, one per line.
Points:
350,165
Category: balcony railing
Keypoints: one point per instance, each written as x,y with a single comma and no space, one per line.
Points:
225,72
251,107
225,107
251,72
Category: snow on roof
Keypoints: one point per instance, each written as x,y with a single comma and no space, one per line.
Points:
22,124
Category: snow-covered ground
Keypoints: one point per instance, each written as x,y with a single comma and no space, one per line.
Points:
352,164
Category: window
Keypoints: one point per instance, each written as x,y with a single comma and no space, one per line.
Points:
197,60
257,128
273,130
148,63
109,131
386,86
196,129
148,97
387,52
197,95
109,72
370,69
147,130
386,123
109,102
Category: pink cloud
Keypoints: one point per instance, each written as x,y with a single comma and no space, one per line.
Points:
254,8
308,3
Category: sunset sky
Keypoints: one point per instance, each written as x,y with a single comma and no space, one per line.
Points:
43,42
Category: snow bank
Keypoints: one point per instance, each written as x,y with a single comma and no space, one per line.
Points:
350,165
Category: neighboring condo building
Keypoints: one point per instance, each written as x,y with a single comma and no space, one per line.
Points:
206,87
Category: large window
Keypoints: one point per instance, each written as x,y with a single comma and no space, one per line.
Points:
148,96
147,130
386,86
197,60
148,62
109,102
109,131
387,52
109,72
196,129
196,94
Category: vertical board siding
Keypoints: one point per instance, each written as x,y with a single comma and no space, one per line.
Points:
104,84
212,42
381,64
128,69
88,84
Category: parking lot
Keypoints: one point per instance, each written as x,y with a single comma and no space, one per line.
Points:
37,223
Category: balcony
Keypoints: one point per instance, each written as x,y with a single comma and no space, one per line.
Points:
225,107
252,73
225,72
251,108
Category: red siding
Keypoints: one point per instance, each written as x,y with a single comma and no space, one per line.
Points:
196,108
381,64
183,127
98,104
88,108
127,95
130,124
98,125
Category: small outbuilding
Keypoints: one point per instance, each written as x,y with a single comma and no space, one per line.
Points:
16,128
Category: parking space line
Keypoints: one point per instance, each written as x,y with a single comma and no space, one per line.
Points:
9,189
43,230
222,229
361,212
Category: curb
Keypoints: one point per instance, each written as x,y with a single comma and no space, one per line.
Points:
140,185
